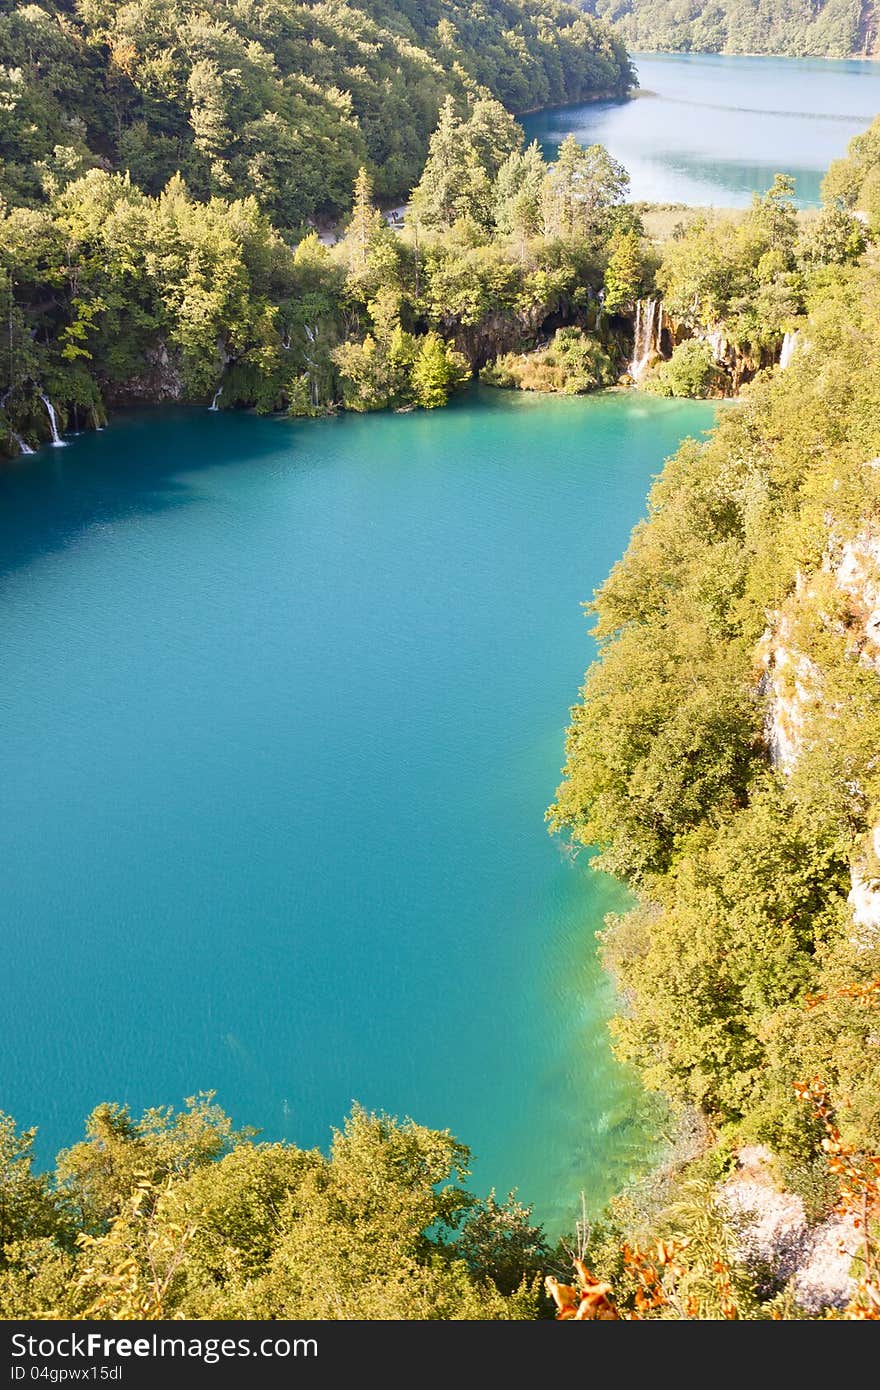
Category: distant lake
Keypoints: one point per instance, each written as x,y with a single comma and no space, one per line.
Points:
712,129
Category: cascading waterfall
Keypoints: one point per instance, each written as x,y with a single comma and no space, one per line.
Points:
217,394
789,344
57,441
314,397
643,342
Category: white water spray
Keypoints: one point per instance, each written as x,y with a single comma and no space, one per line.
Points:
789,344
57,441
217,394
22,447
643,342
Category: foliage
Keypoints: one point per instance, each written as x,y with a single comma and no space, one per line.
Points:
176,1215
624,274
281,101
853,183
573,363
690,371
798,28
743,866
742,272
112,294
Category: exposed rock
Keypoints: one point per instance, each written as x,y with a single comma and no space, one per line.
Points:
160,380
774,1234
737,364
864,896
793,682
858,574
792,679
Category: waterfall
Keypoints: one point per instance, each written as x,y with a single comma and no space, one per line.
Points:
643,338
314,389
217,394
22,447
789,343
57,441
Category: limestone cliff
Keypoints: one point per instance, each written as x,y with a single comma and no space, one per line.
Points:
841,601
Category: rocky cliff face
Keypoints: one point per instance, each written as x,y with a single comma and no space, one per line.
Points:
793,683
160,380
843,599
737,364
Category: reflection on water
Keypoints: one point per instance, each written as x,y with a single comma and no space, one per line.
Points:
712,129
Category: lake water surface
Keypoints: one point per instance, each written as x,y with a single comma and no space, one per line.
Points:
708,128
282,705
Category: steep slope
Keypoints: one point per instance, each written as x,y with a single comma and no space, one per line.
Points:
799,28
283,100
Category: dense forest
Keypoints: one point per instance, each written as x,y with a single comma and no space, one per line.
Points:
723,756
797,28
529,273
282,101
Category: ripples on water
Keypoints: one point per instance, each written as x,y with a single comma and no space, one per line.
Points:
711,129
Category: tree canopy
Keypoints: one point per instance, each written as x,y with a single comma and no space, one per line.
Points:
799,28
281,102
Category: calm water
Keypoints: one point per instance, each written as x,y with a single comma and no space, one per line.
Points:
282,706
711,129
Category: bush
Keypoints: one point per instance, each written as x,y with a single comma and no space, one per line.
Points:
572,364
690,371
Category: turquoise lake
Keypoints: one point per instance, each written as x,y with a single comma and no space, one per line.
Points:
282,707
710,129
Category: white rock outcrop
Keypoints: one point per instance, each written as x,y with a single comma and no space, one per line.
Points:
816,1261
793,681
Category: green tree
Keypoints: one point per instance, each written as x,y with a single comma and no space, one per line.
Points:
583,184
362,225
27,1208
454,183
436,372
623,273
690,371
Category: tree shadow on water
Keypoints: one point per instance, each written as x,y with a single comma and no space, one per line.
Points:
141,465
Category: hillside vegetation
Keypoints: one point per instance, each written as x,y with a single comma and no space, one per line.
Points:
723,755
797,28
282,101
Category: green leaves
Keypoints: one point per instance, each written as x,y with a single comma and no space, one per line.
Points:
745,872
175,1215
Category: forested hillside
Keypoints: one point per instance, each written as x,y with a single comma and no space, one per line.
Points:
799,28
283,101
723,756
537,276
723,760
